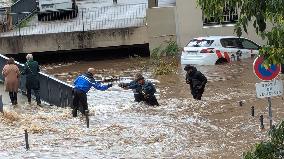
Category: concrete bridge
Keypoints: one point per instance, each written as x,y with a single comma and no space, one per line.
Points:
73,40
98,25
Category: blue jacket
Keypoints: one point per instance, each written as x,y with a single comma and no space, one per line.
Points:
86,81
147,87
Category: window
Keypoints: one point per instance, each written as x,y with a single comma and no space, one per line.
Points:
230,16
200,43
247,44
229,43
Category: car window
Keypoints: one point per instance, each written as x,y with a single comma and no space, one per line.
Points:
200,43
247,44
229,43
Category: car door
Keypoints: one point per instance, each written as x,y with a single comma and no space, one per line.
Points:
231,47
248,48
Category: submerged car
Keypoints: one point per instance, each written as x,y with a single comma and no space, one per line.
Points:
213,50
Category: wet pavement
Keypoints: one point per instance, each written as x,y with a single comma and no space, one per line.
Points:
216,127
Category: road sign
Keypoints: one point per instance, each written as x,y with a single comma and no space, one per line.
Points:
263,73
269,89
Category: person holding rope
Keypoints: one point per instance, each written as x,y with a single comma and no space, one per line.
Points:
143,90
82,85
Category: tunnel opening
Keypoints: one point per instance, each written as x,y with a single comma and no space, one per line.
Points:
116,52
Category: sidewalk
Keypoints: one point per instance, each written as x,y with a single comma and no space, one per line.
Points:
6,99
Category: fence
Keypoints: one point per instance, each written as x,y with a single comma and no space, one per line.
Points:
52,91
20,7
107,17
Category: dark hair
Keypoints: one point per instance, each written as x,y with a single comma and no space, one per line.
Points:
10,61
188,67
138,77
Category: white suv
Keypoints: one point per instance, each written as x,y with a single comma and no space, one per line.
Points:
218,49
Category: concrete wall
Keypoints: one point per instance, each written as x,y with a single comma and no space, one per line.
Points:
73,40
190,25
161,26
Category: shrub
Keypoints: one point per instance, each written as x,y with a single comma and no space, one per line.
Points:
165,60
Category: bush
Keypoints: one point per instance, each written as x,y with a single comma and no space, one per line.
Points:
171,49
272,149
165,60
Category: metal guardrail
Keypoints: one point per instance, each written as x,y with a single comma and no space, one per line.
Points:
107,17
20,7
52,90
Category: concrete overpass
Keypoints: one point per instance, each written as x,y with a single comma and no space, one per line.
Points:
73,40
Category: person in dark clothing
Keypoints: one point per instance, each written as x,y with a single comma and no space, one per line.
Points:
143,90
31,70
82,85
196,80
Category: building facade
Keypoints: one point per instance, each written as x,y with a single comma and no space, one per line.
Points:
186,21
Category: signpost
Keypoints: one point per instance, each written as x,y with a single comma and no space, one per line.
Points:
265,74
269,88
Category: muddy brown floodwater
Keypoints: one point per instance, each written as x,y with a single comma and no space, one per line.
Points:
216,127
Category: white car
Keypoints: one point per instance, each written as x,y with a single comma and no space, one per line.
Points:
213,50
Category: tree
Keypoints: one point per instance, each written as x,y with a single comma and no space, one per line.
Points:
260,13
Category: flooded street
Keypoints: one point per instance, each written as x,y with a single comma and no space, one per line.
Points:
215,127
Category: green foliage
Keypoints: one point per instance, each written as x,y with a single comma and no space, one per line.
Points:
156,53
272,149
165,60
171,49
260,12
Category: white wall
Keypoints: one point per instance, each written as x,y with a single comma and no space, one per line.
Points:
189,24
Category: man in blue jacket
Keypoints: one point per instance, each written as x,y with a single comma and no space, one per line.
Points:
143,90
82,85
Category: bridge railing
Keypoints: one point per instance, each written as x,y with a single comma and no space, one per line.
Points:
52,91
107,17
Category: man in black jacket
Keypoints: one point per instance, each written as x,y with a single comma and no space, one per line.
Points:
196,80
143,90
31,70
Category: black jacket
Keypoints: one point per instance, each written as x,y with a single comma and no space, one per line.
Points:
31,70
195,79
148,88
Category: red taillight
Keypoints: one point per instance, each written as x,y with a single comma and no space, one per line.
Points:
207,50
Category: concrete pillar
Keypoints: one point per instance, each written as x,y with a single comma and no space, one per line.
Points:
152,3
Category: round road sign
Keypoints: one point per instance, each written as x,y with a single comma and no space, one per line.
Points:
263,73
